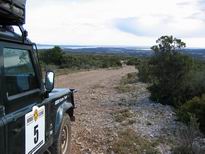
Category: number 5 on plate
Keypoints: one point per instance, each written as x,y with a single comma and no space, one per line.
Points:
34,129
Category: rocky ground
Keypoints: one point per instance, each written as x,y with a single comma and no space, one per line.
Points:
111,121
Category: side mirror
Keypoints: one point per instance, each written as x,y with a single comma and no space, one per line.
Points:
49,81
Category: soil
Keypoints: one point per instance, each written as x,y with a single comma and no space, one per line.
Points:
92,117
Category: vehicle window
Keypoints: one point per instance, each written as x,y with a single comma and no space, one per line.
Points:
18,71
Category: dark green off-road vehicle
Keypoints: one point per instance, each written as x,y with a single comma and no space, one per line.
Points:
34,117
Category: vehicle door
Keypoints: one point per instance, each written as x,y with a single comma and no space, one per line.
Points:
24,123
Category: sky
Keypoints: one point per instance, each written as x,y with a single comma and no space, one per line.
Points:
115,22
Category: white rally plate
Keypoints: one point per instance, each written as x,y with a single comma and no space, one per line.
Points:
34,129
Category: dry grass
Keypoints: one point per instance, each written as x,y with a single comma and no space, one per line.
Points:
60,71
129,142
125,88
187,136
130,78
65,71
126,84
122,115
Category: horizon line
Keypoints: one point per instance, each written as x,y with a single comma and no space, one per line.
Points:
114,46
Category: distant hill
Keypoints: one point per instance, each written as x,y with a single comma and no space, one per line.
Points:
113,50
198,53
121,50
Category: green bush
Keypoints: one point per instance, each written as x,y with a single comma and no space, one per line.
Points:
144,71
169,71
54,56
194,107
170,74
133,61
195,83
176,79
62,60
83,61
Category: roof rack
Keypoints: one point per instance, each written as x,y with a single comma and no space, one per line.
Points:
12,12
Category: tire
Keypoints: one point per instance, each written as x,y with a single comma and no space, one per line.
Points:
62,145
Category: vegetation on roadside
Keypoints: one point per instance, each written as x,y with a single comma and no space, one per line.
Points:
187,136
122,115
144,71
133,61
176,79
129,141
194,107
126,83
58,59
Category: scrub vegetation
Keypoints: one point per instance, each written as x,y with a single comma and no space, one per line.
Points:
129,141
122,115
126,83
176,79
57,58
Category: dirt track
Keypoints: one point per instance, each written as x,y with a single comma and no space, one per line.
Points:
91,131
102,112
88,79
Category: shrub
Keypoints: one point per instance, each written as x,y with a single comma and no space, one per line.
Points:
176,79
130,78
126,83
133,61
57,57
129,142
84,61
54,56
144,71
196,82
194,107
122,115
187,136
170,74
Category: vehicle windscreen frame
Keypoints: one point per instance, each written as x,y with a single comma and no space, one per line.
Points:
23,47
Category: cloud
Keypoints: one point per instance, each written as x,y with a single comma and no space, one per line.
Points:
156,26
127,22
183,3
199,9
146,26
127,25
197,16
201,5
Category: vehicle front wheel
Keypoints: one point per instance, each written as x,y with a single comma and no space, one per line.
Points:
62,145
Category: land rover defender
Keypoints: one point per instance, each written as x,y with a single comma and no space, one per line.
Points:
34,116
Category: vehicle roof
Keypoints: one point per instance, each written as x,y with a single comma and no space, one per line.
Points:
9,35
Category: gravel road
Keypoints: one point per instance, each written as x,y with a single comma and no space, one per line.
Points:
93,119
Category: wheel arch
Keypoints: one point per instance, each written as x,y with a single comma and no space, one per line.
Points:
65,108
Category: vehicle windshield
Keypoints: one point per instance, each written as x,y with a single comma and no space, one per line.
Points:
18,71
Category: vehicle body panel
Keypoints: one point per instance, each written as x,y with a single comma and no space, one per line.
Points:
2,145
54,114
